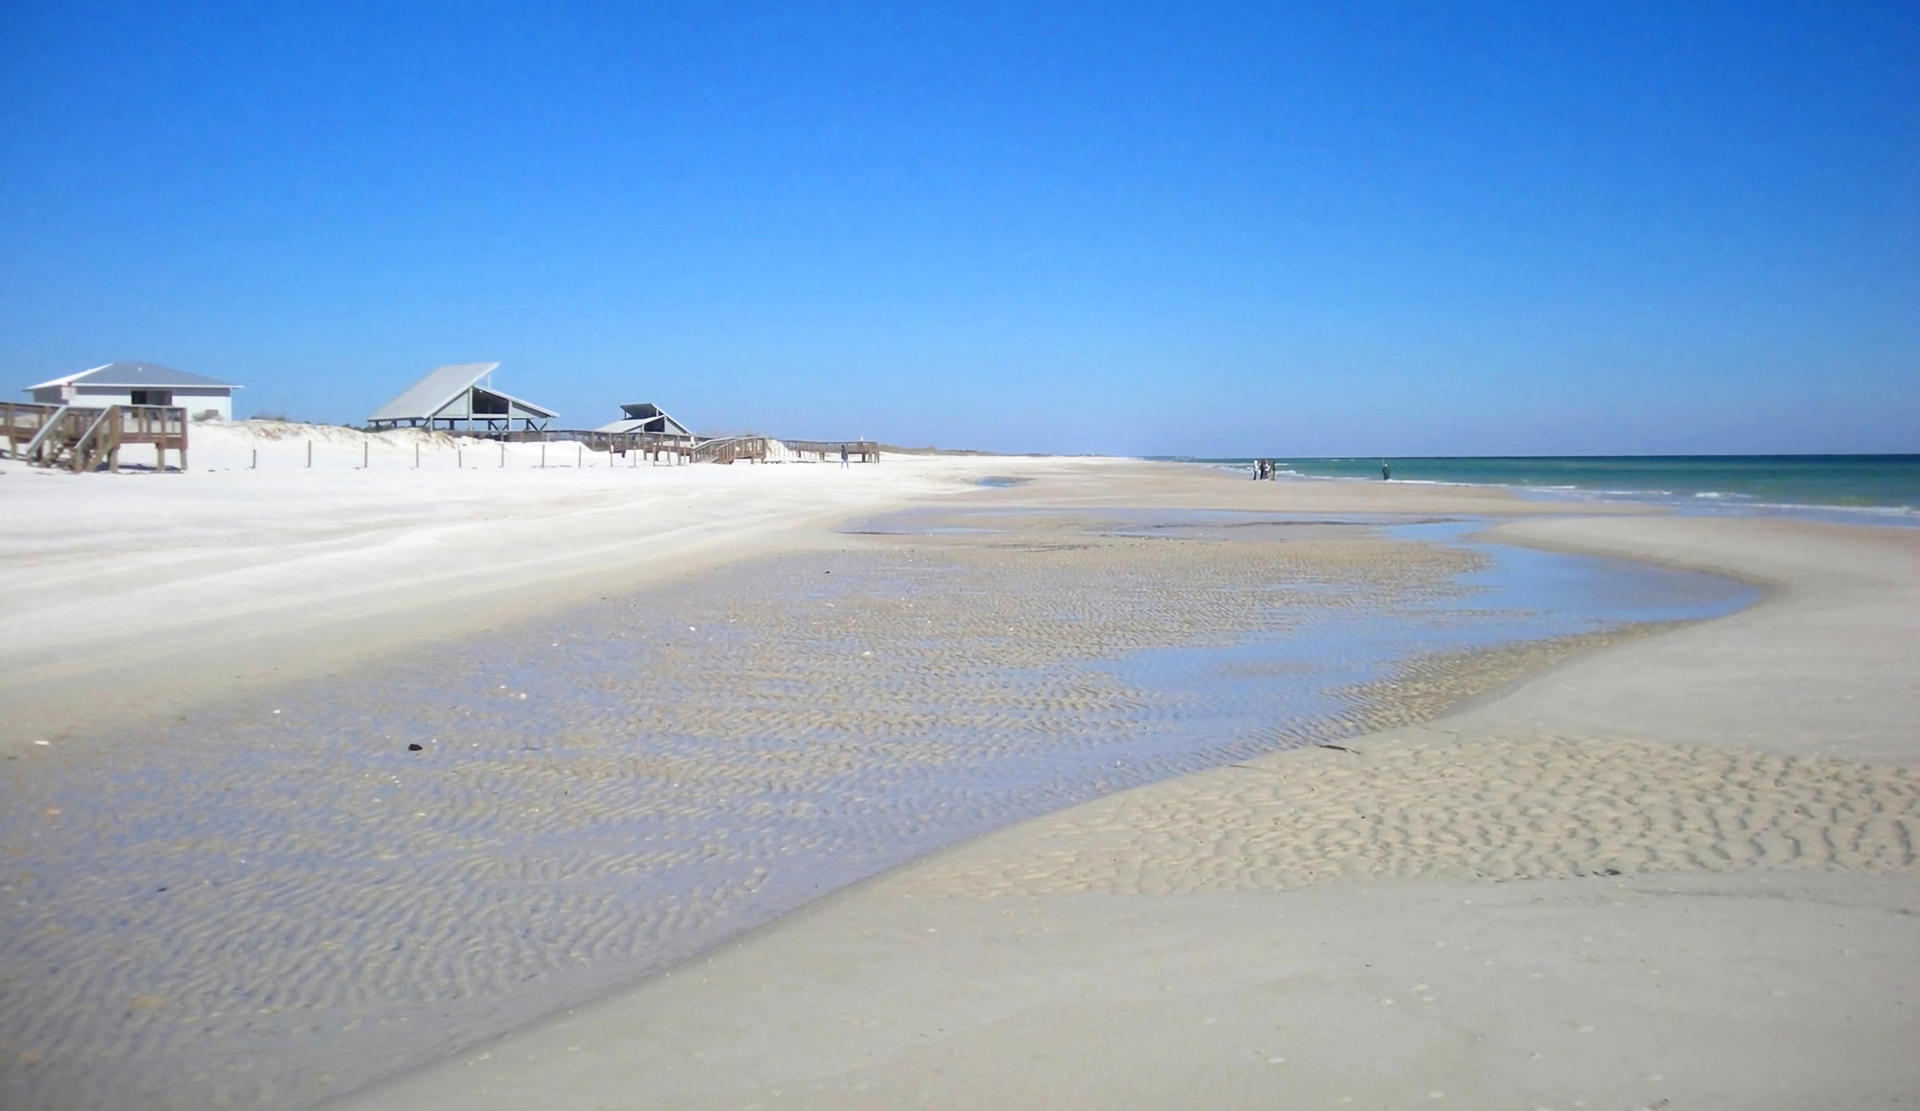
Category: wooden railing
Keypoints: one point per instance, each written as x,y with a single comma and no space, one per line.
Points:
22,424
81,438
720,449
866,451
731,449
653,445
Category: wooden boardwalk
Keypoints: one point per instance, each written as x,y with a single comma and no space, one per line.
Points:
85,439
861,451
651,445
82,438
690,449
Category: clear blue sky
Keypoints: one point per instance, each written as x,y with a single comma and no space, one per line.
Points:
1232,229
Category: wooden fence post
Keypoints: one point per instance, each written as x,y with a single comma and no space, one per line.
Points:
309,454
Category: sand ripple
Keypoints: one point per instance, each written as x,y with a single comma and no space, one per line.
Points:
1491,809
275,900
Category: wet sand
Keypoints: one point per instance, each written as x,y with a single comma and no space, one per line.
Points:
172,590
337,906
290,893
1678,871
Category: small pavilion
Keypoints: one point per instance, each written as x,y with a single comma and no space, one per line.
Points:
461,398
644,416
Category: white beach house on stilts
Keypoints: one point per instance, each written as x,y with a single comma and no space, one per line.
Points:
461,398
80,421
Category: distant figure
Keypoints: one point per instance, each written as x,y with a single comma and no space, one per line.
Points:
843,457
1386,472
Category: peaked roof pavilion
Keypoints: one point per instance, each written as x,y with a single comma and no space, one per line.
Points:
452,394
644,416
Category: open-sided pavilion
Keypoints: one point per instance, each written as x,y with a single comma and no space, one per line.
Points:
461,398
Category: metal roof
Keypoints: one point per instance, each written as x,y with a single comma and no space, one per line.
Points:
639,414
675,428
440,388
136,375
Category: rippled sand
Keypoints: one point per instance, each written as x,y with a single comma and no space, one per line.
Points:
1679,872
279,899
1431,807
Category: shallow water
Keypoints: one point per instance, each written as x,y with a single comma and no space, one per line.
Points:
276,900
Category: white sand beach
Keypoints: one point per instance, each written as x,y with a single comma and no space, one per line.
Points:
168,589
1676,869
254,567
1680,871
1466,653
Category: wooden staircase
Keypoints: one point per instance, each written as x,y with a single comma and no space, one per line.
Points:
81,438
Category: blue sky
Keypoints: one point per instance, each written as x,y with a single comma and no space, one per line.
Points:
1235,229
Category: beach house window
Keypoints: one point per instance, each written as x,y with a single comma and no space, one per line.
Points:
152,397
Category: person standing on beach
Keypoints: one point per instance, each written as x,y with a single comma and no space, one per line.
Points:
1386,472
843,457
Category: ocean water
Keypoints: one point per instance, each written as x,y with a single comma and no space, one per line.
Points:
1866,487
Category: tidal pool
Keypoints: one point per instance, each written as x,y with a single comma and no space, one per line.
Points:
281,898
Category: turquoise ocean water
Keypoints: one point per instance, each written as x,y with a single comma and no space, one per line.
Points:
1867,487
